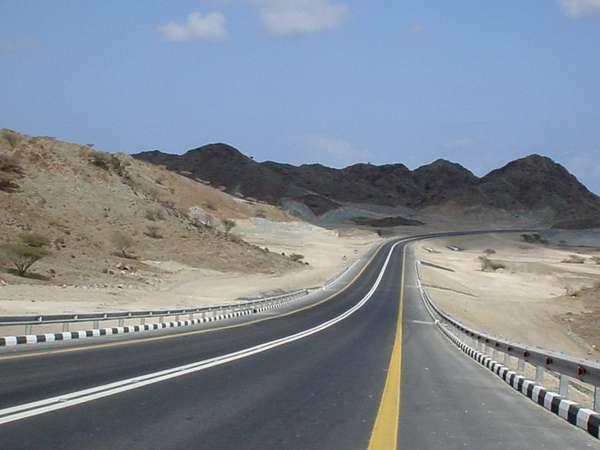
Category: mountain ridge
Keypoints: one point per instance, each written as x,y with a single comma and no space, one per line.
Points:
534,184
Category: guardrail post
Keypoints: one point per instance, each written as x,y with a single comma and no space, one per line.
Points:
539,375
191,316
521,365
121,322
96,324
142,321
596,399
506,358
65,326
563,385
177,318
28,329
161,319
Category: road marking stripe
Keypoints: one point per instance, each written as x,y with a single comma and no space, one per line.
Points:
75,398
133,340
385,431
422,322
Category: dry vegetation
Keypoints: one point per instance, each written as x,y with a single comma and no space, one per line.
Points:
544,293
97,209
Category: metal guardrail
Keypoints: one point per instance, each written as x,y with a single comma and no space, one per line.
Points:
566,366
29,321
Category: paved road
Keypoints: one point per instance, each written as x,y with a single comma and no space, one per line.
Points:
321,390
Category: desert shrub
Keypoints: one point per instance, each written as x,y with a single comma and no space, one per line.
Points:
574,259
167,203
154,214
228,224
596,259
108,162
153,231
11,137
123,243
489,251
261,214
9,164
487,265
296,257
7,183
101,160
534,238
30,248
153,194
570,291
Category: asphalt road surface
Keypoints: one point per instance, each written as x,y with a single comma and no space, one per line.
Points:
362,369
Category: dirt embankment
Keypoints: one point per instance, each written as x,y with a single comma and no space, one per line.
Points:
532,290
178,251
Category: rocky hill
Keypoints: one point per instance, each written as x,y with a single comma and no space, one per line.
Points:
80,199
534,187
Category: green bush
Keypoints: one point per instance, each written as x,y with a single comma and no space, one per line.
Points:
24,253
228,224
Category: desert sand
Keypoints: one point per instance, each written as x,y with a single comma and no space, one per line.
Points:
327,252
536,298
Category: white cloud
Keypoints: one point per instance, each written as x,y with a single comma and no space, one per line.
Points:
330,151
580,8
284,18
209,27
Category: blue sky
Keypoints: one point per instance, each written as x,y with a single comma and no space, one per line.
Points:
330,81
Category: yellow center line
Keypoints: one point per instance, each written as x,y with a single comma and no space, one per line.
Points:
384,435
188,333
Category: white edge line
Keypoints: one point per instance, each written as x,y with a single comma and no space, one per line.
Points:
75,398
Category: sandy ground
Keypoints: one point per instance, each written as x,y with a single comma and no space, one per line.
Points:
176,285
536,298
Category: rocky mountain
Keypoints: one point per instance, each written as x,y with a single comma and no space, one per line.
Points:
535,185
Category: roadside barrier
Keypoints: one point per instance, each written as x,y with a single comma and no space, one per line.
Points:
487,350
207,314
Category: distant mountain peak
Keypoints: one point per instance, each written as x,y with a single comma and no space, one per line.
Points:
217,149
533,185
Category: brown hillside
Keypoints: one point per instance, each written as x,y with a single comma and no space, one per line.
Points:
79,197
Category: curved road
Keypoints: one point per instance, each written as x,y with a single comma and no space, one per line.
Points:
363,369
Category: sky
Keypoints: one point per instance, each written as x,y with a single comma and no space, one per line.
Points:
303,81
